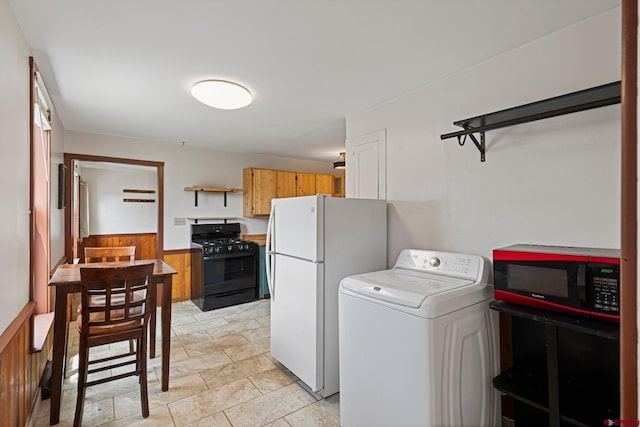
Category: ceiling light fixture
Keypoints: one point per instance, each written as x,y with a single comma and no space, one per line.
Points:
221,94
340,163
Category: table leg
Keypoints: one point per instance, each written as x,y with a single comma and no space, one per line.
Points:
166,330
59,335
152,320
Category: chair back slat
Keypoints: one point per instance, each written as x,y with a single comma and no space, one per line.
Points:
113,296
111,253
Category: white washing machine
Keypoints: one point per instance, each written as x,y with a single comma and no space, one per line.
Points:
419,344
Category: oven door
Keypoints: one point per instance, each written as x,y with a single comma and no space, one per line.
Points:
228,274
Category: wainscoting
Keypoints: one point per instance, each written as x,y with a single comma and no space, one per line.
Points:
20,369
145,243
180,260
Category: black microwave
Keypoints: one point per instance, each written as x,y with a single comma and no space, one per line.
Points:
580,281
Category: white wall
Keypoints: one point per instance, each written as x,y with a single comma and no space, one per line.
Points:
554,181
57,215
191,166
108,213
14,175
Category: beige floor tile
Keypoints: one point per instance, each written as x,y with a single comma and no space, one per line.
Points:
235,371
195,364
176,354
95,413
209,402
233,328
129,403
199,326
220,312
222,375
323,413
247,350
158,417
184,339
269,407
280,422
215,420
208,347
270,380
257,333
264,320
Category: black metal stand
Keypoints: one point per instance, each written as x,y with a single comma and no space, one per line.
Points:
565,369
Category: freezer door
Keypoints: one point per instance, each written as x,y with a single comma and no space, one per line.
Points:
297,318
298,227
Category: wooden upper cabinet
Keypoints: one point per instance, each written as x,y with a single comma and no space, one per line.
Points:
324,184
306,184
259,187
338,185
262,185
285,184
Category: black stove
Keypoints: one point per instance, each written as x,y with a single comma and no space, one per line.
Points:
223,266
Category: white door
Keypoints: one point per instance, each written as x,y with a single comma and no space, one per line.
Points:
297,318
297,227
366,171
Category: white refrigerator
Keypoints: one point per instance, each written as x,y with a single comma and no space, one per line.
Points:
312,243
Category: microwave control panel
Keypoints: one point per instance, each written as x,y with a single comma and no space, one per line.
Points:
604,281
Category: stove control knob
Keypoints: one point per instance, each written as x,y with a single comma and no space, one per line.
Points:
230,248
246,246
434,262
216,249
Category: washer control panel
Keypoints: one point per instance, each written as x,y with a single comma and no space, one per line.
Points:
444,263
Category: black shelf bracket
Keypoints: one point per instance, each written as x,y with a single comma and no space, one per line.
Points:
479,145
595,97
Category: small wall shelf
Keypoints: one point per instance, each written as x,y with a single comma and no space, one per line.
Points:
599,96
195,219
213,190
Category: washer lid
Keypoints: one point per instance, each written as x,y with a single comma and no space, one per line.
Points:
401,287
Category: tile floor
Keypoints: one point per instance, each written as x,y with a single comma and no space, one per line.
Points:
221,375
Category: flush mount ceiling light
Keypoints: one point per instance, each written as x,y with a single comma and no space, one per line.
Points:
339,163
221,94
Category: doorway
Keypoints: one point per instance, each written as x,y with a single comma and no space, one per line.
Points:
73,216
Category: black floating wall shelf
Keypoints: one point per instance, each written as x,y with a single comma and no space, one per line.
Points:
599,96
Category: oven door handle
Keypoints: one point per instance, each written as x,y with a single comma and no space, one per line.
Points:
270,255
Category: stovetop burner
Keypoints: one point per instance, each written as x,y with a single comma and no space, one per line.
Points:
220,239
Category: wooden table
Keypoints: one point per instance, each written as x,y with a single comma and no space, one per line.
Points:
66,280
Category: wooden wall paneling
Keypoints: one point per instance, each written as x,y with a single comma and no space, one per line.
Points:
180,260
145,243
20,369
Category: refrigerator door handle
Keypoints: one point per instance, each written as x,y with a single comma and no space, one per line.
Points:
270,255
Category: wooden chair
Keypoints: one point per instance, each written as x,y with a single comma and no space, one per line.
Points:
111,253
122,316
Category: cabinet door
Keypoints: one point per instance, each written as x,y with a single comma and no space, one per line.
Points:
306,184
285,184
338,185
324,184
264,189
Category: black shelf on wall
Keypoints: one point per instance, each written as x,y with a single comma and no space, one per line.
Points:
596,97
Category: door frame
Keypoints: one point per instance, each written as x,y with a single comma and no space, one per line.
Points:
68,220
629,214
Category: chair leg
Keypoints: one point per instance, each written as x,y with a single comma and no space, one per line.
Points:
142,354
83,367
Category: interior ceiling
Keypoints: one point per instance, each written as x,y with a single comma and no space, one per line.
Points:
122,67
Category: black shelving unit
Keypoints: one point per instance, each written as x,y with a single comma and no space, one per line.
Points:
599,96
565,369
